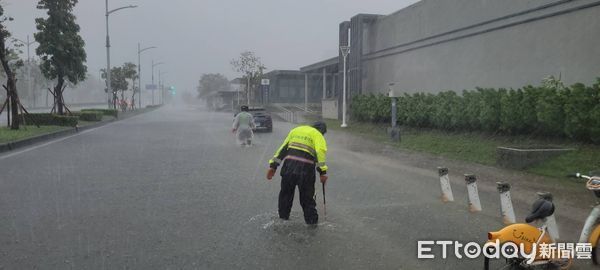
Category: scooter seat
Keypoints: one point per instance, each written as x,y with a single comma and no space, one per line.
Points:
541,209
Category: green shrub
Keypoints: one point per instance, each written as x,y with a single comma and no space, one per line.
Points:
550,110
550,113
511,112
47,119
383,106
66,121
442,110
419,110
472,109
579,101
489,111
357,108
107,112
91,116
528,107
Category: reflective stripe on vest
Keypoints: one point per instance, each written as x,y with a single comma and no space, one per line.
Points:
304,147
300,159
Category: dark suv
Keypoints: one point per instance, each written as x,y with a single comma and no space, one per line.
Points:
262,119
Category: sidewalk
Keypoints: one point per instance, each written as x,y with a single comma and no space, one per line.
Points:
573,201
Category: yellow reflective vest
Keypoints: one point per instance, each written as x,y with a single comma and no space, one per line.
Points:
306,139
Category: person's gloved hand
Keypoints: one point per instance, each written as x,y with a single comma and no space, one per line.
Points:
324,178
270,173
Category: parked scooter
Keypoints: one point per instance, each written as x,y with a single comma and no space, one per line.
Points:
527,234
591,229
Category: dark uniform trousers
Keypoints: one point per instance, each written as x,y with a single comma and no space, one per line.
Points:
295,173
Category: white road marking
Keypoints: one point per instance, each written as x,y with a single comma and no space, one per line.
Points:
50,142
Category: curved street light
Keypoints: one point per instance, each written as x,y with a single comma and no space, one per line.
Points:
140,51
117,9
108,79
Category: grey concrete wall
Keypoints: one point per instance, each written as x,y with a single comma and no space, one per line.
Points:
438,45
329,108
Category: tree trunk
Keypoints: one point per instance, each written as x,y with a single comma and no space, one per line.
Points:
58,98
133,95
14,102
115,97
11,86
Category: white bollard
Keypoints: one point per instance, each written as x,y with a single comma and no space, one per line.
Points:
474,202
507,210
552,227
447,195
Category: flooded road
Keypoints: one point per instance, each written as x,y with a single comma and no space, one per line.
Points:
170,190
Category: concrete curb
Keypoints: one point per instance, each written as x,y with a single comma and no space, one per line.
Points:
7,147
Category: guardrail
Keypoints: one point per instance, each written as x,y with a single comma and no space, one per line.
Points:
287,115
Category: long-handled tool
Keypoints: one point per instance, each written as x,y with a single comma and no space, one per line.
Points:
324,202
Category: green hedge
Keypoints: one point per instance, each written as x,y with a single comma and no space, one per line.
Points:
107,112
47,119
91,116
550,110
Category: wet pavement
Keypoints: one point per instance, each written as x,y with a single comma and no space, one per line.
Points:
170,190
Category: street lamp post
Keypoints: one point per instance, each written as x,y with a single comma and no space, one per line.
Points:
140,51
153,65
162,88
29,85
345,51
108,80
248,90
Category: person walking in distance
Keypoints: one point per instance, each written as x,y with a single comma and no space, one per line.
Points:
243,124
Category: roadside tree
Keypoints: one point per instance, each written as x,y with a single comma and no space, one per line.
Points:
251,67
10,62
61,47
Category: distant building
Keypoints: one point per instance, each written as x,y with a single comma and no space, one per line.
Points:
323,79
285,86
229,99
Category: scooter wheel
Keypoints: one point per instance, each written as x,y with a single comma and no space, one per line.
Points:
500,264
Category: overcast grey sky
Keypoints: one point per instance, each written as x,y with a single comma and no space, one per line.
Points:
196,37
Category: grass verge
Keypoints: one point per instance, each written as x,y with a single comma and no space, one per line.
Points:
7,135
481,148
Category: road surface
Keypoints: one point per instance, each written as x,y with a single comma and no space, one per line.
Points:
170,190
